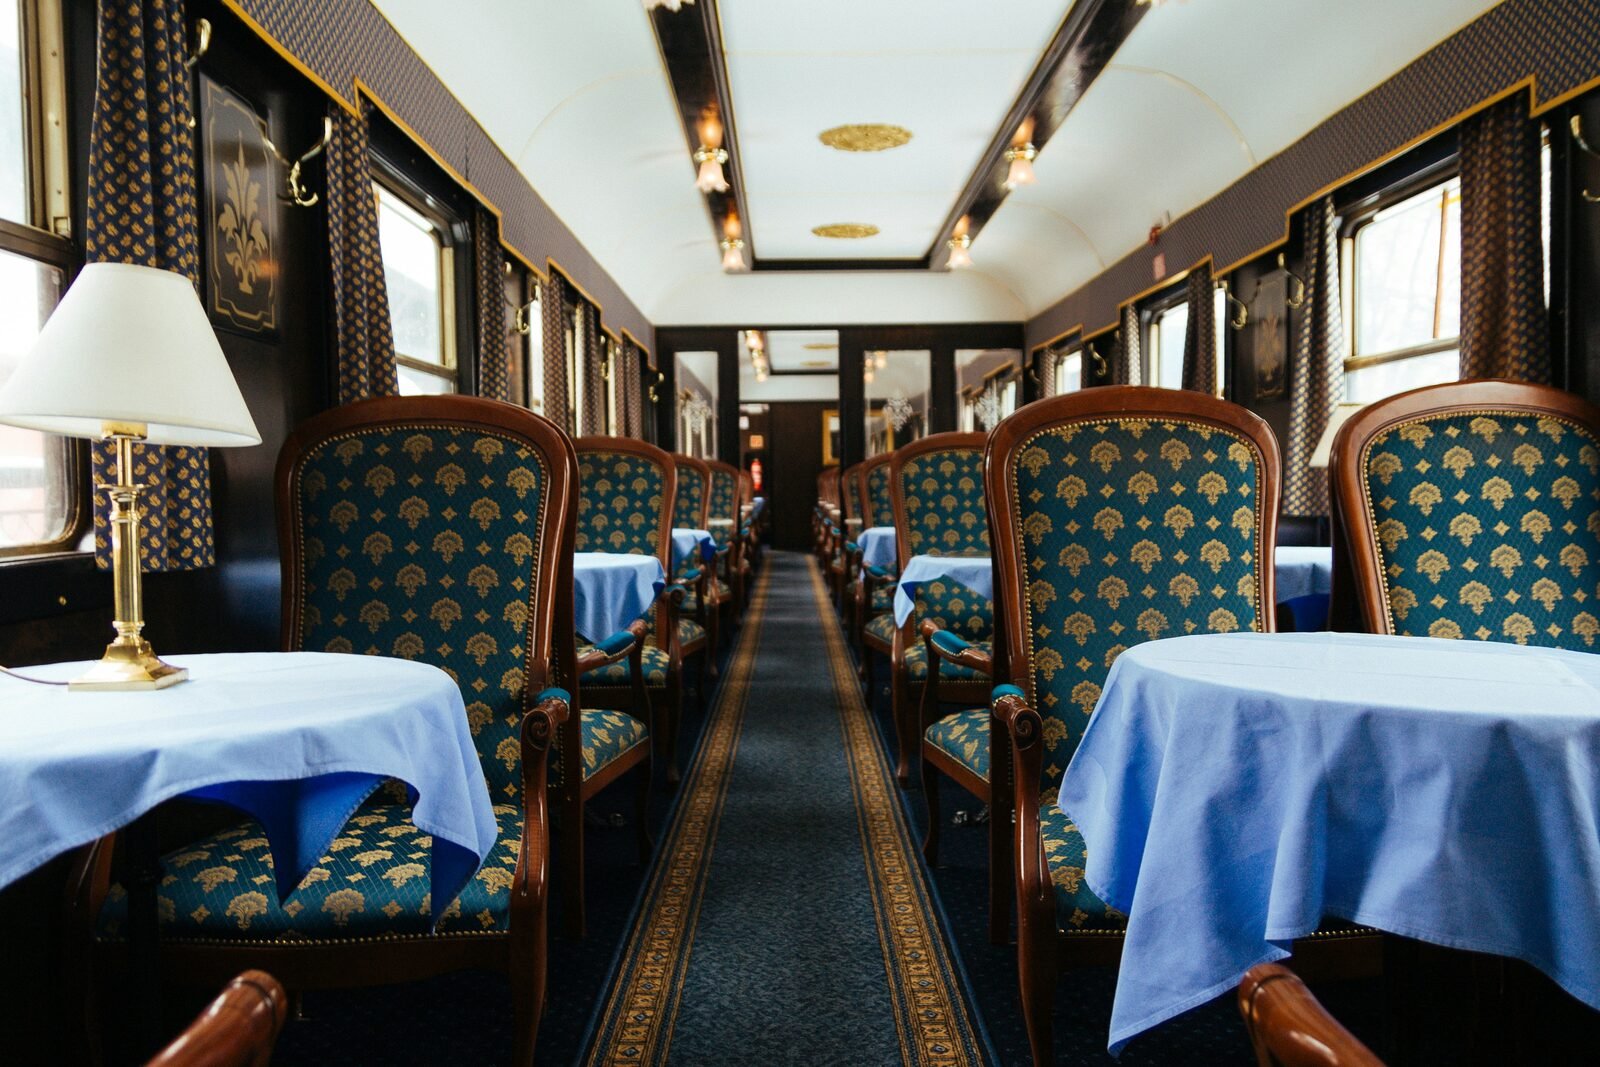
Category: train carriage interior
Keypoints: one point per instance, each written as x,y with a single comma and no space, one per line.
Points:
689,532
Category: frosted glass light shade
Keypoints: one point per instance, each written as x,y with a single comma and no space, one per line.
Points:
129,344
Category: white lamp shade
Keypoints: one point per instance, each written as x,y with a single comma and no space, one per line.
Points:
129,344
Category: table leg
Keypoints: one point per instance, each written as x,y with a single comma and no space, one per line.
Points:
142,858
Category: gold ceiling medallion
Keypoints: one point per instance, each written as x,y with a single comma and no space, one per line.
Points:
865,137
848,231
820,346
816,362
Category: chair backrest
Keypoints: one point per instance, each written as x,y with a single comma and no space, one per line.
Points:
828,486
1288,1027
1123,514
936,484
875,491
626,494
691,498
727,494
237,1029
849,502
438,529
1473,510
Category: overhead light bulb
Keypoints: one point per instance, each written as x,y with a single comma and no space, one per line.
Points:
710,179
881,359
1021,158
733,255
960,257
670,5
867,375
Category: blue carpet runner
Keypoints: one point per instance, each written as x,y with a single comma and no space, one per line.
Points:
787,919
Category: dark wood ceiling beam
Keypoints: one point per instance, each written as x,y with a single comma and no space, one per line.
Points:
1089,36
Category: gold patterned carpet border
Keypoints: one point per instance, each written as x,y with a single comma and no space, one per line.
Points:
636,1026
934,1021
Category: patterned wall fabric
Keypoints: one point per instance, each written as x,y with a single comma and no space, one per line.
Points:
689,498
143,209
1130,531
1488,527
1504,329
494,366
1200,339
422,544
878,495
594,387
360,297
553,316
945,516
1127,366
1316,373
620,500
724,491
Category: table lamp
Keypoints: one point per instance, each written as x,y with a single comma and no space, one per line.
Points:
129,356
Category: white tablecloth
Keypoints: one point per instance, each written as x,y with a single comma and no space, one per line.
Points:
611,589
697,545
974,572
1233,789
295,739
1301,570
877,546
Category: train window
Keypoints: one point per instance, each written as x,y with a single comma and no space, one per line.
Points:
611,352
1405,295
534,350
576,386
1163,346
417,270
1068,373
43,493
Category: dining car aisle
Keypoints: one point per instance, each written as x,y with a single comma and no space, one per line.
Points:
787,919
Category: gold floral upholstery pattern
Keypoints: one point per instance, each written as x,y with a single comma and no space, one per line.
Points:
916,662
373,882
945,516
879,503
1487,525
1077,908
688,498
724,491
656,663
964,737
1131,530
690,631
607,736
882,627
620,501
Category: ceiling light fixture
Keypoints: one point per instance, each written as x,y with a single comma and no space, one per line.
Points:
733,255
1021,158
670,5
960,257
710,155
881,359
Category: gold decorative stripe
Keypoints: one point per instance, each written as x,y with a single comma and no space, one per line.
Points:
636,1027
931,1015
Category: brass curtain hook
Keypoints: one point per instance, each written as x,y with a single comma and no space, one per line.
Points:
605,361
298,195
202,44
1298,298
1576,124
655,397
1096,360
1240,320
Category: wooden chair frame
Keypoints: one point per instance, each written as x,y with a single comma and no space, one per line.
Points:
1288,1027
705,614
1356,533
665,714
550,659
237,1029
1042,948
730,558
862,608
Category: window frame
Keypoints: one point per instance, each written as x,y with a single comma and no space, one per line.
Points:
1149,330
44,237
388,179
1074,352
572,338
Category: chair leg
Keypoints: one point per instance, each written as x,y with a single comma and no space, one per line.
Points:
930,794
901,704
673,716
641,808
1002,880
529,962
572,906
706,664
1036,975
869,670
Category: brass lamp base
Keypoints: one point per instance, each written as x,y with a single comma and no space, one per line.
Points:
128,666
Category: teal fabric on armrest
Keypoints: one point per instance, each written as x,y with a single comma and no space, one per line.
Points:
1006,691
881,572
949,642
556,693
616,642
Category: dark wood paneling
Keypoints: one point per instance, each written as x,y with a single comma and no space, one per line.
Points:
792,469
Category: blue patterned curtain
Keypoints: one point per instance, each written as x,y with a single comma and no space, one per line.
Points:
494,378
1316,376
553,315
631,403
1504,328
143,209
1127,367
1200,339
594,389
365,357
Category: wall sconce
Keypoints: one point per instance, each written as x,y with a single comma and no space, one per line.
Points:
960,256
711,155
1021,158
655,397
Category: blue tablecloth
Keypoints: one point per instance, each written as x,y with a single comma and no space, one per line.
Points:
611,589
1443,790
1302,570
296,740
692,544
877,546
974,572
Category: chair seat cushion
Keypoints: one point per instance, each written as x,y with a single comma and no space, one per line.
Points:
882,628
917,664
882,596
1076,907
964,737
656,662
689,632
374,882
608,735
724,590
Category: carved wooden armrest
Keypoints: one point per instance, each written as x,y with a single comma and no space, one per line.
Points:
953,649
613,648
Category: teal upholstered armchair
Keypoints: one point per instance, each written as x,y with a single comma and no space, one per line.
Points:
1121,515
697,614
1472,511
722,516
871,589
626,497
936,484
426,528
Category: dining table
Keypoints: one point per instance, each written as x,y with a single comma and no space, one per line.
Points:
295,740
612,589
1233,790
689,544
